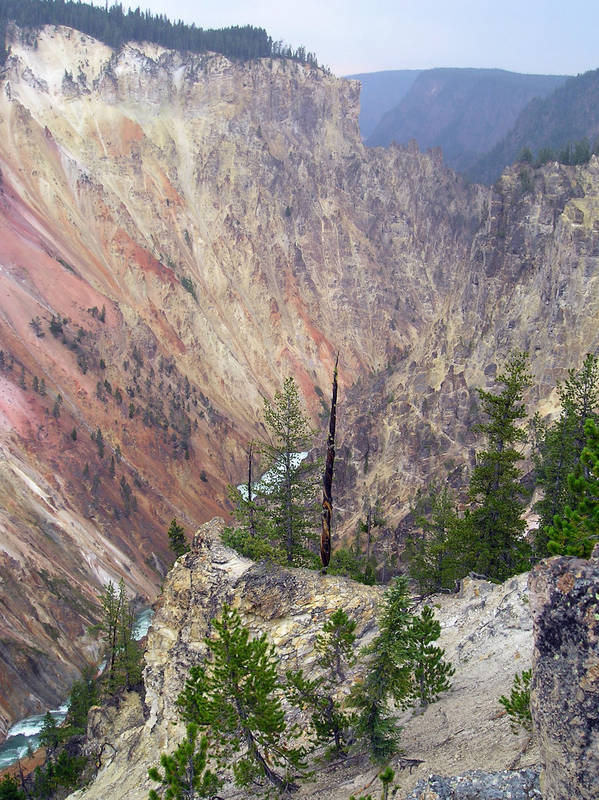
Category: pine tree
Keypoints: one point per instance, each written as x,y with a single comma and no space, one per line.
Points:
328,719
110,601
9,787
335,645
517,704
129,651
433,551
50,733
186,776
253,536
372,519
84,695
289,486
576,532
495,485
430,672
176,538
116,627
98,438
236,698
277,515
387,674
558,447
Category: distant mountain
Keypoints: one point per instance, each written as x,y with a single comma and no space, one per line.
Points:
567,115
381,91
463,111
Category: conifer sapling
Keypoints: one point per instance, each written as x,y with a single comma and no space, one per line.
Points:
185,774
335,648
430,672
236,699
387,674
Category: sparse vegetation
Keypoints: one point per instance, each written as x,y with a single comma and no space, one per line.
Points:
187,284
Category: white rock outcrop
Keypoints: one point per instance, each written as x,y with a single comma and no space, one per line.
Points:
486,632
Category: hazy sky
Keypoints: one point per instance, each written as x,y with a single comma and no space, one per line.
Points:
545,36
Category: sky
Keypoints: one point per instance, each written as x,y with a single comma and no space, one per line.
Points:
353,36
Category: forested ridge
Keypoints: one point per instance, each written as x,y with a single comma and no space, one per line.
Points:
114,26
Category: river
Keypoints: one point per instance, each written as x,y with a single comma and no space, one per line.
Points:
24,734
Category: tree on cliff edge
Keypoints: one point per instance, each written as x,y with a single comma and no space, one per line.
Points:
176,538
289,485
387,675
116,627
278,513
497,547
236,699
577,531
558,447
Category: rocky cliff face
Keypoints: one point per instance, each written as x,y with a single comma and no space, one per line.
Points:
486,633
565,610
177,235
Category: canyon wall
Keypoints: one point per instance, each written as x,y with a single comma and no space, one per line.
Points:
178,233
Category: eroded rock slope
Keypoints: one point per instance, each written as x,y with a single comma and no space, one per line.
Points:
177,235
486,632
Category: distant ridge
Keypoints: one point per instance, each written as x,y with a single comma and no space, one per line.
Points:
463,111
567,115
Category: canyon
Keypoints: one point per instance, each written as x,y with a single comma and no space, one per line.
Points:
179,233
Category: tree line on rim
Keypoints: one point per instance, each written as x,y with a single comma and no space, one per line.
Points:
114,27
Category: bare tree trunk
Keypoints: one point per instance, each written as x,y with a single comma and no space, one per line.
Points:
251,521
327,479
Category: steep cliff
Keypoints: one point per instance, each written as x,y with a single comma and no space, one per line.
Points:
486,633
178,234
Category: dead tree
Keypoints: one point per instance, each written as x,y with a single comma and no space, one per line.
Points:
327,479
251,520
